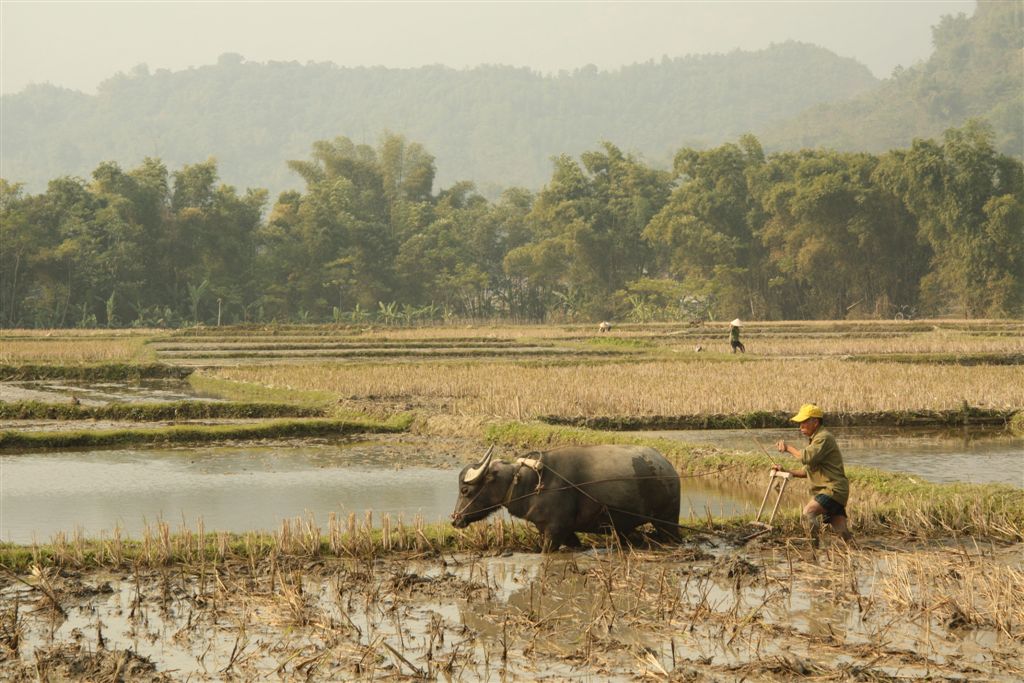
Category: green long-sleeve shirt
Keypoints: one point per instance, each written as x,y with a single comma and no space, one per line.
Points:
823,463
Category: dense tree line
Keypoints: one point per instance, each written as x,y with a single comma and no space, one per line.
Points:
938,227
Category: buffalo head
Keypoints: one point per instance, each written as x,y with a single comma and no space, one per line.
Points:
480,492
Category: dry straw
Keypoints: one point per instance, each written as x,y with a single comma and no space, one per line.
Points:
515,391
74,349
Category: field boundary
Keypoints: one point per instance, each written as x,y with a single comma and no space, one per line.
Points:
315,427
98,371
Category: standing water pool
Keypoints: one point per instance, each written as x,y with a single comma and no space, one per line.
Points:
244,488
973,455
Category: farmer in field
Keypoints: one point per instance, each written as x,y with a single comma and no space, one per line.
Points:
734,336
823,465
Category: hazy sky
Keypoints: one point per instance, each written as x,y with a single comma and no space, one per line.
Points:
79,44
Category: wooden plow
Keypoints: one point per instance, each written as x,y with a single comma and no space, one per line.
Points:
777,480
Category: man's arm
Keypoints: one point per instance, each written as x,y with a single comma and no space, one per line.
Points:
792,450
799,474
812,454
786,448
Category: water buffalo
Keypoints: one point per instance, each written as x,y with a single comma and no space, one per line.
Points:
575,488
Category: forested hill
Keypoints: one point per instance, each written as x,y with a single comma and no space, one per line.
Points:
975,71
497,126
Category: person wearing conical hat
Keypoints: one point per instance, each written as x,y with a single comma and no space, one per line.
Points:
823,466
734,336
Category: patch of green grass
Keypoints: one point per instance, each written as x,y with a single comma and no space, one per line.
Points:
1017,423
10,440
619,342
248,392
318,402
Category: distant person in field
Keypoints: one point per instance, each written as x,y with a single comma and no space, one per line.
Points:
734,336
823,466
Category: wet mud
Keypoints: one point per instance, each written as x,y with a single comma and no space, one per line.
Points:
98,393
708,610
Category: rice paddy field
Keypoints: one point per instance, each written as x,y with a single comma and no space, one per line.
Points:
932,587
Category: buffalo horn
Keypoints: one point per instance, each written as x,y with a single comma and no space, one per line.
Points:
473,472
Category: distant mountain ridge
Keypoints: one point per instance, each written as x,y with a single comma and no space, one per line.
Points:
494,125
975,71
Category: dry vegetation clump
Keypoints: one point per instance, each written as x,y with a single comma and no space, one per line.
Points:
514,391
300,538
77,662
74,349
959,589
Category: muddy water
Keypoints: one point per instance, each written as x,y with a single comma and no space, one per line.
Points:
242,488
973,455
720,614
99,393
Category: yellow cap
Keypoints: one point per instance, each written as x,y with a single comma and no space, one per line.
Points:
807,411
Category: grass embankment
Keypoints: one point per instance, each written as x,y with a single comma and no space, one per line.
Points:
251,393
242,391
10,440
28,372
1017,423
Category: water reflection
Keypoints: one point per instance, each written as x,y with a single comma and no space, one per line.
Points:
974,455
231,489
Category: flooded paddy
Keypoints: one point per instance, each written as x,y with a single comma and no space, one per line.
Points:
972,455
100,393
698,612
248,487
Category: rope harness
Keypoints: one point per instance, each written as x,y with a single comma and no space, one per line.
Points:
535,465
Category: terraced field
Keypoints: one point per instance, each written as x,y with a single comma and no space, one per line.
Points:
959,341
933,589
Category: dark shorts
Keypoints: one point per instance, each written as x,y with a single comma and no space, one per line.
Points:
832,508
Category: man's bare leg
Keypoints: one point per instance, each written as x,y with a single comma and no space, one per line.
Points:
839,525
813,516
